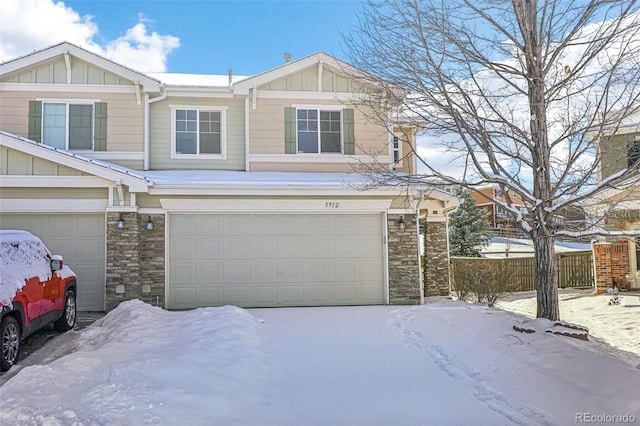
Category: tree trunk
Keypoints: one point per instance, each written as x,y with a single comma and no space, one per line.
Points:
546,277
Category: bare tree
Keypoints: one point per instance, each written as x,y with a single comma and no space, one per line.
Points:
520,90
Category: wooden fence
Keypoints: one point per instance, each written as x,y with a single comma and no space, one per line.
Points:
575,269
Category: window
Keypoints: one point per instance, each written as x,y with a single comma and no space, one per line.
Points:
67,126
319,131
497,193
198,131
396,149
633,153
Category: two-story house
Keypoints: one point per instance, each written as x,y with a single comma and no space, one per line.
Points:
200,190
490,197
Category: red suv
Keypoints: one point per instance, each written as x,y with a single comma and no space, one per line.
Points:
36,289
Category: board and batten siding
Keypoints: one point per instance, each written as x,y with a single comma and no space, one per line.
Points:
55,72
306,80
14,162
160,135
125,118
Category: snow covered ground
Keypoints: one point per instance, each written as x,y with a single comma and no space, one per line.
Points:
443,363
616,324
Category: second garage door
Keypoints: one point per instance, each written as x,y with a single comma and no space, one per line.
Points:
80,239
260,260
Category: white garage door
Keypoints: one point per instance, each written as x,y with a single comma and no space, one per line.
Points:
80,239
259,260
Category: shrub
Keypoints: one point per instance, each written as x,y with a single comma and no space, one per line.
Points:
487,281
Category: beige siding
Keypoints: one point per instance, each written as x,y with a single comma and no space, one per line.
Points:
54,193
55,72
14,162
302,167
614,153
307,81
160,135
125,119
267,134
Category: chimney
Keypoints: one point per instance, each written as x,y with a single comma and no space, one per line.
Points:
230,77
287,57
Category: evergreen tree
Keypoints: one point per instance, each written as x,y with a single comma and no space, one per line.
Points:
468,228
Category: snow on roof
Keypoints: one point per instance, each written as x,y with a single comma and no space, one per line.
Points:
196,80
22,256
239,179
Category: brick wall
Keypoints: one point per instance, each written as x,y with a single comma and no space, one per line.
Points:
611,262
435,260
404,268
135,259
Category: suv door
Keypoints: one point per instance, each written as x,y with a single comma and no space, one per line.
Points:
31,297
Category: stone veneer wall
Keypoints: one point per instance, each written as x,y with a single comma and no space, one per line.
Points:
135,260
611,262
435,260
404,268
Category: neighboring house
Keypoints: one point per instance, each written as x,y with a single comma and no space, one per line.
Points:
199,190
489,197
620,206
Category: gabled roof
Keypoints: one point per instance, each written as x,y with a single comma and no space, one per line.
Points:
47,54
135,182
243,87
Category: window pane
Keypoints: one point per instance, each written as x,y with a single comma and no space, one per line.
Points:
181,114
54,126
185,143
330,142
210,143
302,114
80,126
313,114
302,125
191,114
192,126
307,142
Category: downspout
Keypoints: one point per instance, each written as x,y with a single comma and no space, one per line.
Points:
147,144
420,274
120,192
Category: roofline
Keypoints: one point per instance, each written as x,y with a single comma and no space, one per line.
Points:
134,182
242,87
39,56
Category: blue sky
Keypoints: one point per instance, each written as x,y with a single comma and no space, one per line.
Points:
193,36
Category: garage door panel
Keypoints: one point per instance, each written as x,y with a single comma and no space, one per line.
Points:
264,295
279,259
264,247
264,272
317,294
264,224
211,296
237,272
184,297
237,295
207,248
316,246
183,248
210,271
236,248
185,226
183,272
290,247
316,271
80,239
291,295
344,294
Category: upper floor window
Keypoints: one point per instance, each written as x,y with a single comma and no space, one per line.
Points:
396,149
198,131
319,131
633,154
497,193
69,125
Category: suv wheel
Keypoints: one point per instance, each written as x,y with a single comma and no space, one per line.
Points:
68,318
10,335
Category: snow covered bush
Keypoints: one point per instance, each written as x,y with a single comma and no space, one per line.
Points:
483,281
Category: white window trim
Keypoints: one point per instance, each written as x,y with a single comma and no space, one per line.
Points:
68,102
330,108
223,132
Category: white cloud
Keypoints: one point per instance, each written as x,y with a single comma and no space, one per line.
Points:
28,25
